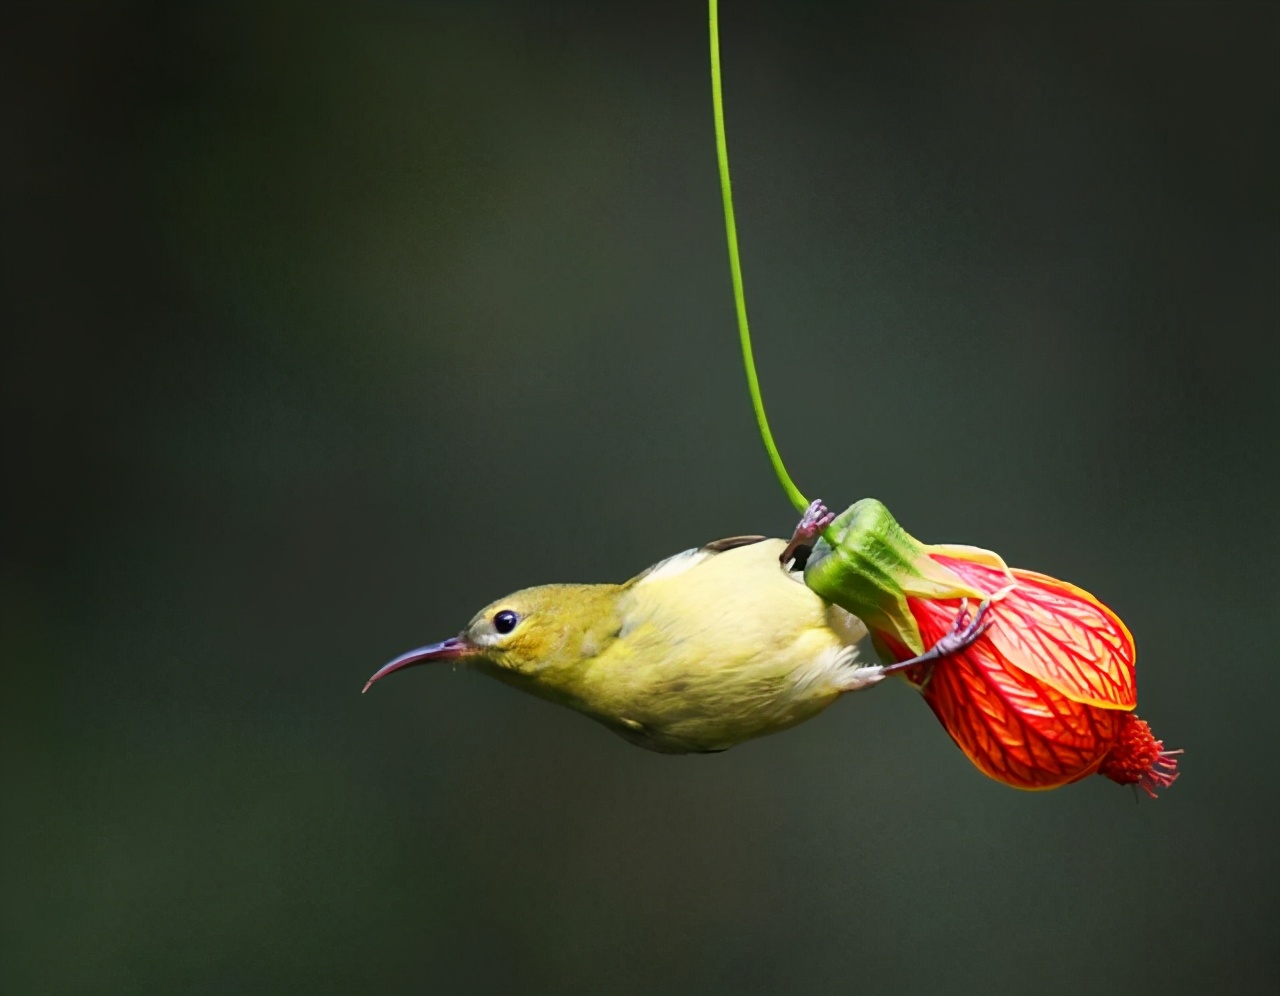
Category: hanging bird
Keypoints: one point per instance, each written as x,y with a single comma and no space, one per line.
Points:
702,651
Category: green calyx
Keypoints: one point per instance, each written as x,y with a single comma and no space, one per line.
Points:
874,566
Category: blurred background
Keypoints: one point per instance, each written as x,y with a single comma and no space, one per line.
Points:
323,325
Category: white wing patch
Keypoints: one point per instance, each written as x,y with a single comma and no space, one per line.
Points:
677,564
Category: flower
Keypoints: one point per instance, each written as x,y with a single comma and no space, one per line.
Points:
1044,697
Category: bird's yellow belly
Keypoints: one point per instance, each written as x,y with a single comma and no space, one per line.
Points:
681,705
684,728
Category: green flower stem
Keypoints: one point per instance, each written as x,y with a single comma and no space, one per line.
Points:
735,266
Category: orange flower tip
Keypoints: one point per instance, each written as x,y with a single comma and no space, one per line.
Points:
1138,758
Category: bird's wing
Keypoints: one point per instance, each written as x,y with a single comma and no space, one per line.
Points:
686,559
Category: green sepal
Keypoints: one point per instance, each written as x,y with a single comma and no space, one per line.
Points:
872,569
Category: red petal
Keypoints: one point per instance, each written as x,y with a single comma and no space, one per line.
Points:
1060,634
1014,728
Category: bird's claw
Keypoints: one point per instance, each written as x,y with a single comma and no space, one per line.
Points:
962,633
816,518
964,630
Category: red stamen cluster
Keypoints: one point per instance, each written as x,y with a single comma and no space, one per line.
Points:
1138,758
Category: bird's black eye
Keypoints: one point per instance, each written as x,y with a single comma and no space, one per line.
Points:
505,621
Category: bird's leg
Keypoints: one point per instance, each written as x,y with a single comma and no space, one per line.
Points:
815,519
963,632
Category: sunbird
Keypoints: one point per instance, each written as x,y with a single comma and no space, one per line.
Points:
701,651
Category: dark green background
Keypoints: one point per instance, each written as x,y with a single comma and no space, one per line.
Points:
325,325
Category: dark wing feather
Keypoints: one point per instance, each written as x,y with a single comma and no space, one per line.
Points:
732,543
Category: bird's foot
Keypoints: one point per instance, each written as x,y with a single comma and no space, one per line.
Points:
815,519
963,632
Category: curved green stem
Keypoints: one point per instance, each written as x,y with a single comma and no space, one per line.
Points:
735,266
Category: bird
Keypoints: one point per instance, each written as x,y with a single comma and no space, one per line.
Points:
706,649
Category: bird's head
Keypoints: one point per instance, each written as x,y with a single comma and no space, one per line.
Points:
528,635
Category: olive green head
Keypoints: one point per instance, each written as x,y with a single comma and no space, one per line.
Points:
528,633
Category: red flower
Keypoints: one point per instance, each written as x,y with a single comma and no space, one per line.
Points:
1044,697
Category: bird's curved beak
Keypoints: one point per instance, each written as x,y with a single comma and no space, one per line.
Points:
452,649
